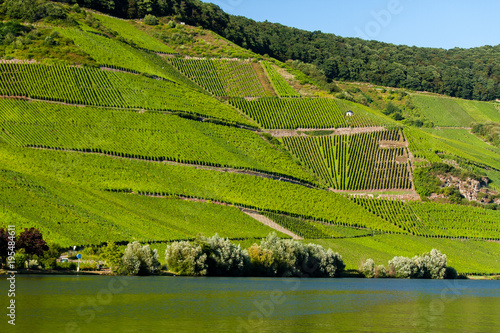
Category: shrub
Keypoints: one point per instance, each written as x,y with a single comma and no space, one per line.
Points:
368,268
450,273
113,256
391,271
20,257
224,257
261,261
150,19
292,258
185,258
140,260
286,254
322,262
66,266
380,271
49,258
405,268
431,265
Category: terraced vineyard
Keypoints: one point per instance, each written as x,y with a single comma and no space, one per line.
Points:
315,230
282,113
78,215
454,112
436,220
283,89
362,161
103,172
113,54
458,221
91,86
223,77
150,135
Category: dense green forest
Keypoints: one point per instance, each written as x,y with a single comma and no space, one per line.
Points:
466,73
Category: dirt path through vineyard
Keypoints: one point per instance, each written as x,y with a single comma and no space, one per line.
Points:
279,133
270,223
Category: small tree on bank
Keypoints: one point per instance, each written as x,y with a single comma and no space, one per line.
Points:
225,258
140,260
112,254
31,240
186,258
368,268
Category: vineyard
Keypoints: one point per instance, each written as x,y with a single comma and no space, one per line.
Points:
151,135
81,216
435,144
102,172
91,86
454,112
282,88
122,137
113,54
223,77
131,31
283,113
315,230
436,220
377,160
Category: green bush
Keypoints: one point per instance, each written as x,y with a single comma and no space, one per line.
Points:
20,257
140,260
380,272
368,268
186,258
67,266
150,19
225,258
112,254
431,265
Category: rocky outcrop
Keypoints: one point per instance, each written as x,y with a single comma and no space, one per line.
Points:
471,189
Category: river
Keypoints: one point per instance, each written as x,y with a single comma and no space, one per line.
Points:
49,303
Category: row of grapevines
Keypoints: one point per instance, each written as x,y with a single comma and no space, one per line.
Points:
111,53
293,113
131,31
104,172
458,221
395,211
153,135
222,77
279,113
436,220
283,89
80,216
91,86
354,162
315,230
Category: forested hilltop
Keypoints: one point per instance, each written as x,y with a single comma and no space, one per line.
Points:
465,73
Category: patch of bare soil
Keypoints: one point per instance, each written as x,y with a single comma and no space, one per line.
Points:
270,223
387,144
278,133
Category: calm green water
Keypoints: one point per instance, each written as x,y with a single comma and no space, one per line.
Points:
181,304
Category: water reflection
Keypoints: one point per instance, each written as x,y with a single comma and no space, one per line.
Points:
182,304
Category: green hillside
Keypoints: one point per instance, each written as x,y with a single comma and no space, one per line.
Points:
454,112
115,130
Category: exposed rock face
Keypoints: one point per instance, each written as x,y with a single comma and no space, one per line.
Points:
470,188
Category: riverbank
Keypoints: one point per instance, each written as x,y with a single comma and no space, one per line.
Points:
107,272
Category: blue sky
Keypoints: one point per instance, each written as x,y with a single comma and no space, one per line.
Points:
430,23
